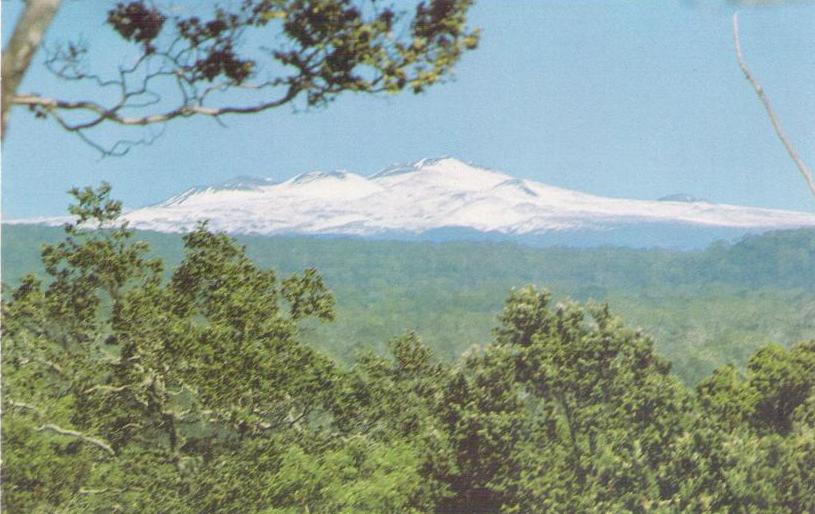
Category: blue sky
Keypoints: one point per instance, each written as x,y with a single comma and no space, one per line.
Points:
620,98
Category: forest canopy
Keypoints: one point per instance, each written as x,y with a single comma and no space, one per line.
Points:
704,308
125,391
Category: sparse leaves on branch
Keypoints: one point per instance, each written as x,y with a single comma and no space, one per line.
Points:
252,56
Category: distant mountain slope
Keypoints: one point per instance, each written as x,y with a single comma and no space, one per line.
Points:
443,199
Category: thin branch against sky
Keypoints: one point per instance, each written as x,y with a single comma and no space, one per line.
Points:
765,100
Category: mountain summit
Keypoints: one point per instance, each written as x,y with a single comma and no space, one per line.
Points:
446,198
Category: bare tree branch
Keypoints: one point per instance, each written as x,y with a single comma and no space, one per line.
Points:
107,388
59,430
112,115
48,364
24,42
82,490
24,406
779,131
79,435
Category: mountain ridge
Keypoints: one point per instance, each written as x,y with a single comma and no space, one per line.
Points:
462,200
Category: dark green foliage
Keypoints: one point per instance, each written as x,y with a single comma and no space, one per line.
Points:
249,56
607,403
775,389
762,424
128,388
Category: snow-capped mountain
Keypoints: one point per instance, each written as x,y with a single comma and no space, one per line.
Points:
448,198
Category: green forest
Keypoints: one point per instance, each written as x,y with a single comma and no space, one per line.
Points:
703,308
147,373
207,373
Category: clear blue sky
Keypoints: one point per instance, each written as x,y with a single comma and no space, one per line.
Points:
621,98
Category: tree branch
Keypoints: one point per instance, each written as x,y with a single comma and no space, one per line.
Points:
50,365
186,61
79,435
779,131
112,115
24,42
107,388
62,431
25,406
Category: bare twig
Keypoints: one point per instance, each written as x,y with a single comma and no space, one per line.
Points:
184,111
79,435
59,430
107,388
50,365
779,131
24,406
82,490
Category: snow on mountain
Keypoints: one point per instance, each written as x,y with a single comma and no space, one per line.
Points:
441,194
681,197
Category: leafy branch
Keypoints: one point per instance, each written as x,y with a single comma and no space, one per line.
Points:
188,65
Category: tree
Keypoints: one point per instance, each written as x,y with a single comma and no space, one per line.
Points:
255,56
135,384
752,446
606,412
